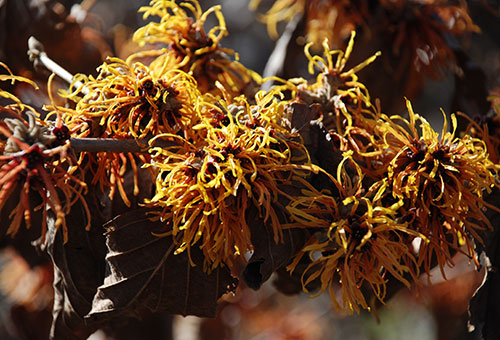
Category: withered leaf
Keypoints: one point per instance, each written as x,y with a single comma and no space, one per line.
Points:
269,256
78,271
291,283
144,275
484,307
79,264
318,141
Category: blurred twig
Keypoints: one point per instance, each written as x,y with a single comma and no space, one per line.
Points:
39,58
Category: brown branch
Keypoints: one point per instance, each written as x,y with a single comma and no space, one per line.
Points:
116,145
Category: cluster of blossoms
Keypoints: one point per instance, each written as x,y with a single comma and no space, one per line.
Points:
217,147
212,154
399,181
241,157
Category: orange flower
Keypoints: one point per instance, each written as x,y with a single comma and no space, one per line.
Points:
38,167
33,159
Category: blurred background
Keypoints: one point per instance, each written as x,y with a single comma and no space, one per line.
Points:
80,34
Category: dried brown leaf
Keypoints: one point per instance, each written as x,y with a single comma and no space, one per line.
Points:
269,256
143,273
78,271
79,264
318,142
484,306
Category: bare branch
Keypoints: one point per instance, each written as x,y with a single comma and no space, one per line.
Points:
116,145
39,58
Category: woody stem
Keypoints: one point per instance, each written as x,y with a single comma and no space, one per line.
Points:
116,145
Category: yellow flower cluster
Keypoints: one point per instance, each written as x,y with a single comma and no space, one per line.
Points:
360,241
243,159
224,155
155,91
399,181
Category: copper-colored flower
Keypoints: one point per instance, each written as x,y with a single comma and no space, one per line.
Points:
330,19
180,34
416,34
35,161
442,179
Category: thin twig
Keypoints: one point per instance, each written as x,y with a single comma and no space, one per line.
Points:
276,61
39,58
